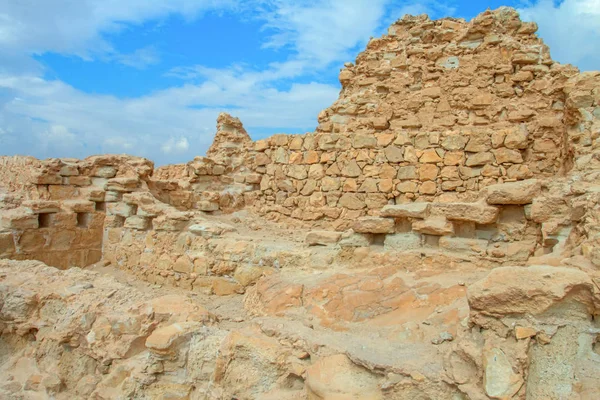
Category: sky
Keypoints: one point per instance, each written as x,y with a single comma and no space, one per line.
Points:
149,78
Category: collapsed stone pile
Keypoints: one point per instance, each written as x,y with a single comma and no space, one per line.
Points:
436,237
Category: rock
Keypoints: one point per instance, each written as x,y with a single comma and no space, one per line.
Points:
437,226
479,213
402,242
500,381
524,332
164,338
521,192
323,238
374,225
529,290
356,240
336,378
409,210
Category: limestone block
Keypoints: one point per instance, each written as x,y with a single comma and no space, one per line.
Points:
18,218
430,156
7,244
79,206
297,172
520,192
517,139
374,225
105,172
454,142
120,209
42,206
394,154
408,210
402,242
351,169
183,265
504,155
80,180
428,172
122,184
69,170
137,222
428,187
323,238
436,226
406,173
62,192
477,159
356,240
351,201
45,178
479,213
364,142
407,187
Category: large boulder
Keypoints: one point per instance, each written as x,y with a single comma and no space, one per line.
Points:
521,192
529,290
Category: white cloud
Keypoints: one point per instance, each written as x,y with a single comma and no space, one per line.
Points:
571,29
174,146
77,27
140,59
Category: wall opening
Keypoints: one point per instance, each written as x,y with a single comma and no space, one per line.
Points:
45,220
83,220
101,206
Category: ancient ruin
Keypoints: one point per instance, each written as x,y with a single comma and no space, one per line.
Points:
436,237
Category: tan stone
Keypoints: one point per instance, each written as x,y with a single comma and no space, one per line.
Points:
504,155
351,201
437,226
394,154
522,332
351,170
428,187
428,172
409,210
405,173
374,225
521,192
430,156
323,238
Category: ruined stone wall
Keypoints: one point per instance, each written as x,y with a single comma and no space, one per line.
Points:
59,216
433,111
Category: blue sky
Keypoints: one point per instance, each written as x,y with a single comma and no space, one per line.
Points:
82,77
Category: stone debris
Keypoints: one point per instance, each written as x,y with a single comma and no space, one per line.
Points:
436,237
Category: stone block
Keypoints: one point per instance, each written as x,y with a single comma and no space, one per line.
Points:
479,213
374,225
408,210
356,240
435,226
521,192
323,238
120,209
137,222
7,244
402,242
18,218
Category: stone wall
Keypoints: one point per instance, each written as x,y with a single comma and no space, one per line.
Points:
433,111
59,215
